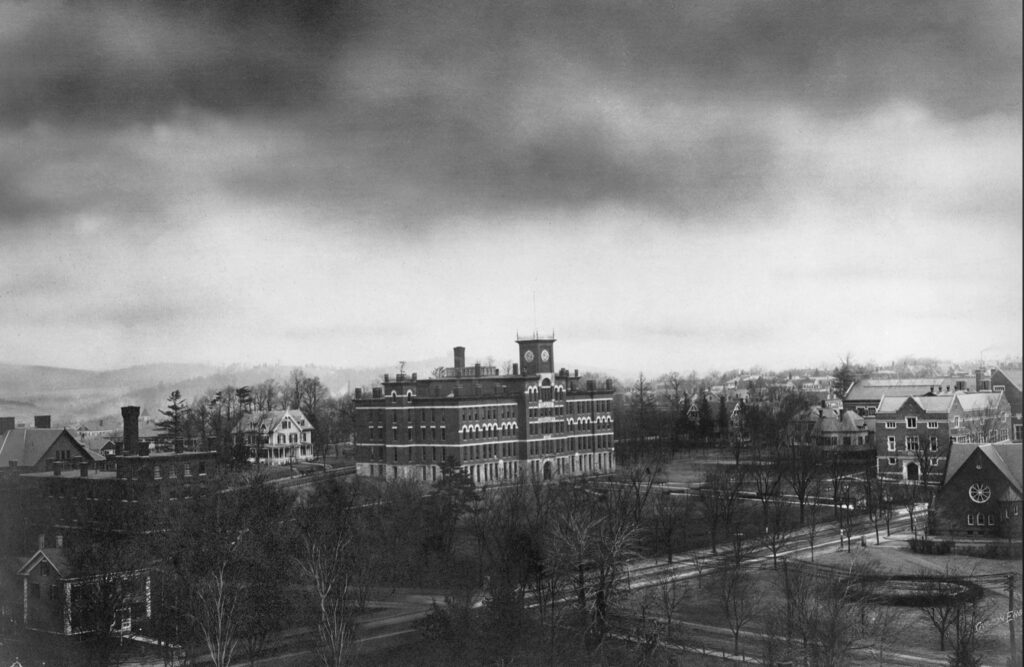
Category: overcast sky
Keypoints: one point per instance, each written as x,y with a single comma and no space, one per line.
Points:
666,185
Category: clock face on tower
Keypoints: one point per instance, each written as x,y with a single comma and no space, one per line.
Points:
544,355
528,356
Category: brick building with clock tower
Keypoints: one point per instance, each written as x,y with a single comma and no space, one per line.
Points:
535,421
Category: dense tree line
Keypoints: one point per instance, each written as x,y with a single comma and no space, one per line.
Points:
207,422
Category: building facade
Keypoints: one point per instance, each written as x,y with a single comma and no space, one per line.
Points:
832,429
1009,382
534,421
278,437
913,435
981,496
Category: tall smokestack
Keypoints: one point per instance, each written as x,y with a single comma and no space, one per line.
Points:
460,357
130,415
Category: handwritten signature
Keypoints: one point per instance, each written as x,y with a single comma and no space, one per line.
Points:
1008,617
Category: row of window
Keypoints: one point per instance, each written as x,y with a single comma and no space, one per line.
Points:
979,519
185,470
34,591
912,443
493,450
911,422
932,461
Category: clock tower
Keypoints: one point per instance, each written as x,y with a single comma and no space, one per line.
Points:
536,355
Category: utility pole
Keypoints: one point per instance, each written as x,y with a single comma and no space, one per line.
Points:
1013,635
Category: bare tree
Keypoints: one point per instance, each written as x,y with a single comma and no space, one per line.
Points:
767,477
214,612
719,496
736,591
672,392
883,628
968,627
265,395
800,468
323,563
942,600
777,528
667,521
812,514
669,598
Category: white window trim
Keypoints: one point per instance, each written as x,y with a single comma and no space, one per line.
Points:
911,419
890,443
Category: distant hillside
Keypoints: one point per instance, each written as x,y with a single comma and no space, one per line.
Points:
70,395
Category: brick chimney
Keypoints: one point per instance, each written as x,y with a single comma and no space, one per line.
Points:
460,357
42,421
130,445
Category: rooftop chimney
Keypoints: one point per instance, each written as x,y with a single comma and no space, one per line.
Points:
130,415
515,369
42,421
460,357
358,393
6,424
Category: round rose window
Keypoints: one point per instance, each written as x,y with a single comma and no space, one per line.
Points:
980,493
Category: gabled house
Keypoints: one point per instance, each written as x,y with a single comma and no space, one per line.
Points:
863,395
36,449
53,595
981,496
277,437
830,428
1010,383
913,434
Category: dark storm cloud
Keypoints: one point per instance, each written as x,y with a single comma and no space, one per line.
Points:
411,108
113,63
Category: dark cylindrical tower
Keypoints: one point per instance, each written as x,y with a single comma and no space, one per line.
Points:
460,357
130,445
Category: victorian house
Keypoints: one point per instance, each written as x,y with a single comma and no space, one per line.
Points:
278,437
